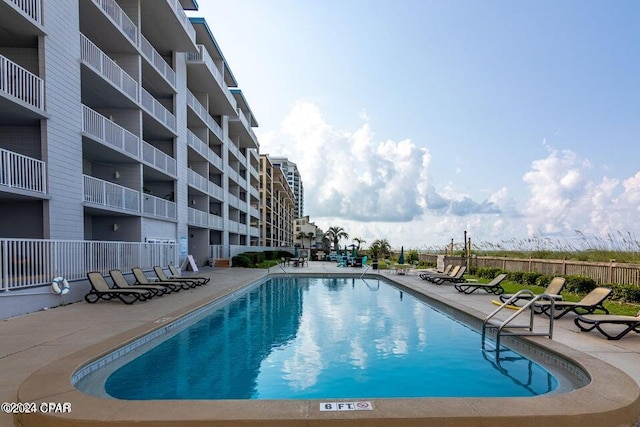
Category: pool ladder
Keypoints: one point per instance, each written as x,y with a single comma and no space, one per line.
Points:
500,327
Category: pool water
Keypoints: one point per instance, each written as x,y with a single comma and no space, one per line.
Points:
321,338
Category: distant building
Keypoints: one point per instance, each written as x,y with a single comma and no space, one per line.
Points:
312,234
276,206
290,170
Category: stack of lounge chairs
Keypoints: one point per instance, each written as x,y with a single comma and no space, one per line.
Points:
142,289
456,275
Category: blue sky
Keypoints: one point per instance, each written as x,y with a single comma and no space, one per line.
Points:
416,120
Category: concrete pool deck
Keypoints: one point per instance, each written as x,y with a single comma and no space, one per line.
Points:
40,351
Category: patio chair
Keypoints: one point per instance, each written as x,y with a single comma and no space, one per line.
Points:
120,282
493,287
141,279
163,278
589,322
100,290
590,303
175,274
553,289
458,277
448,272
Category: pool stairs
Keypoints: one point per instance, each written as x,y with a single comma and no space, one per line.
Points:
490,323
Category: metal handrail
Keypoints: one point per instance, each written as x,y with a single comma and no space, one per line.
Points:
529,305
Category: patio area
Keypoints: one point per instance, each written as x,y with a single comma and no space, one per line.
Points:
33,341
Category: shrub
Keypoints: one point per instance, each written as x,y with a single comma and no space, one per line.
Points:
543,280
627,293
241,260
529,279
580,284
488,272
516,276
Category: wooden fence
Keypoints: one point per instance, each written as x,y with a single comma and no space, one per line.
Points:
600,272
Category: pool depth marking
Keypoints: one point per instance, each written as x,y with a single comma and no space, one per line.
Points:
346,406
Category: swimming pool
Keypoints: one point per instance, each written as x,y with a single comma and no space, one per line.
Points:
319,338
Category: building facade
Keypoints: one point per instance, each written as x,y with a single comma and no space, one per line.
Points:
276,206
122,121
294,179
306,233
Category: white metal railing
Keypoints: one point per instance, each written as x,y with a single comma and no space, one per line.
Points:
156,206
216,191
107,68
20,171
242,228
20,83
32,8
28,262
104,130
202,55
254,231
254,192
232,200
202,112
242,205
158,62
216,222
183,18
254,212
232,174
197,181
232,226
108,194
158,159
197,144
119,18
198,218
157,110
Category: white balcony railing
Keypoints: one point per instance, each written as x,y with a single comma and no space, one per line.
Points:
197,217
203,56
158,62
32,8
107,68
197,144
183,18
30,262
197,181
216,191
157,110
154,157
162,208
119,18
216,222
21,84
245,122
103,129
202,112
25,173
108,194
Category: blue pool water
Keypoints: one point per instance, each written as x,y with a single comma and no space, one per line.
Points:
320,338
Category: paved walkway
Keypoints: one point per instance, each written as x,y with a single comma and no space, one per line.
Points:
32,341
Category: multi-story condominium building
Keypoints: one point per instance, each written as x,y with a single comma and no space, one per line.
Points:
290,170
121,121
276,206
306,233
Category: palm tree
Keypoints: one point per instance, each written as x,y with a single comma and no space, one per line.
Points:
311,235
300,236
359,242
335,234
379,247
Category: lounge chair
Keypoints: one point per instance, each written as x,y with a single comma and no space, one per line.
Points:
493,287
590,303
175,274
100,290
553,289
120,282
458,277
433,275
141,279
589,322
163,278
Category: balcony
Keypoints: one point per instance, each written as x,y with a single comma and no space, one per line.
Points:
157,61
109,133
157,110
31,9
104,66
203,114
16,83
120,19
216,222
203,149
198,181
156,158
241,127
197,218
98,192
22,172
159,208
202,69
